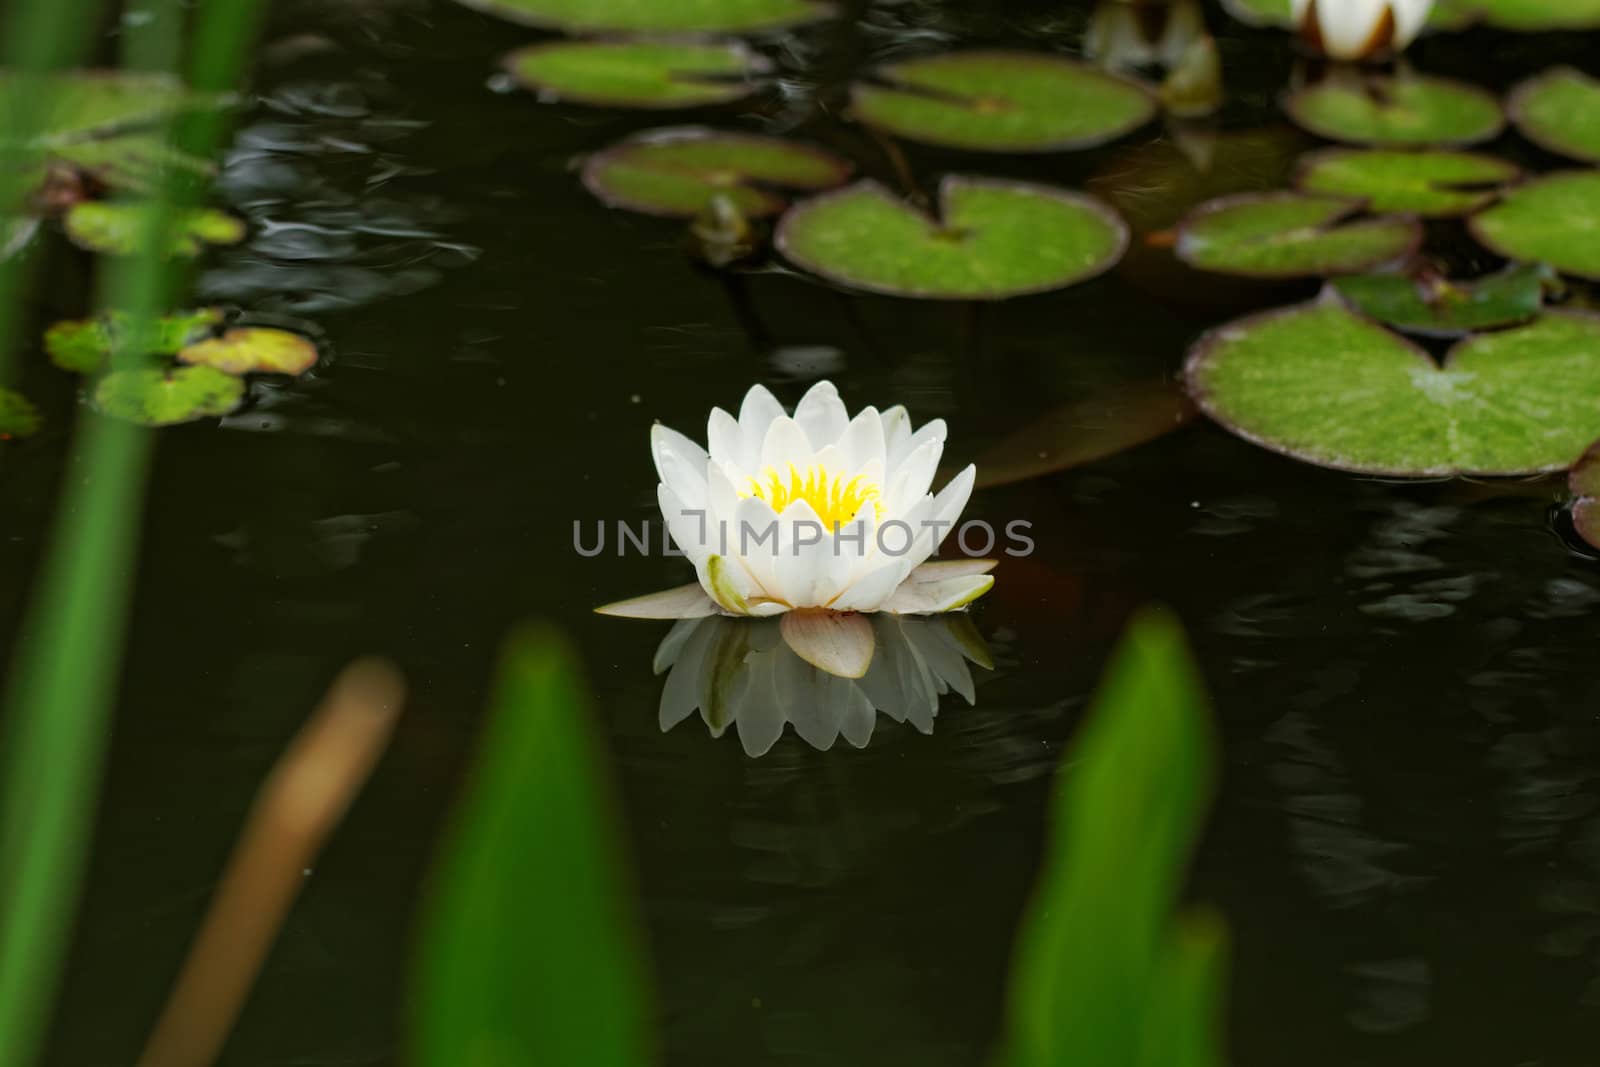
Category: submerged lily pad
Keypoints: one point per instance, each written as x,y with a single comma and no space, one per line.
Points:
154,396
117,228
83,345
1291,235
655,16
1432,183
652,74
1554,219
996,101
680,171
1560,110
253,350
18,416
1406,111
1324,385
1437,306
994,239
1585,485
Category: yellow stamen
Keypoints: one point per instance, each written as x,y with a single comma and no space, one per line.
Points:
837,502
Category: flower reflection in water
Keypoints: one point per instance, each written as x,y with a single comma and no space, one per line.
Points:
741,673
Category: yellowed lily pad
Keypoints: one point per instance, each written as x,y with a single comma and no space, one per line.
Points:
118,227
253,350
83,345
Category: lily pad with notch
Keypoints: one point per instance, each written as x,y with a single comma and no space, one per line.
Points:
1322,384
1291,235
656,16
157,396
1001,101
1584,482
118,227
1560,110
992,240
1553,219
678,172
1410,111
18,416
1432,183
83,345
642,74
1432,305
253,350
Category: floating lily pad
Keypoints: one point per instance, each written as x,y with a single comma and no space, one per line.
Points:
1560,110
1437,306
653,74
1322,384
680,171
1585,485
253,350
656,16
996,101
1291,235
18,417
1539,16
1446,14
1408,111
154,396
117,228
1432,183
83,345
88,104
993,239
1555,220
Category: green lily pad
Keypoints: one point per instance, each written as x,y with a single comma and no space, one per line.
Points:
83,345
993,240
655,16
253,350
1554,219
1584,482
158,396
18,417
1324,385
1446,14
117,227
1560,110
1436,184
678,172
1397,112
1436,306
650,74
1541,16
997,101
1291,235
88,104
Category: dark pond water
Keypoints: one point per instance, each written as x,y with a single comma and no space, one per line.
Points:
1407,842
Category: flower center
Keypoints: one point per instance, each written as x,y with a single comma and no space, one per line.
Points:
836,501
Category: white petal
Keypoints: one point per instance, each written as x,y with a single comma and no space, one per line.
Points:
684,602
821,414
689,527
755,539
760,407
1410,17
863,443
724,439
680,695
943,515
786,444
913,477
896,427
857,719
761,718
929,598
868,592
671,646
933,431
941,569
809,571
727,583
836,642
679,461
1348,26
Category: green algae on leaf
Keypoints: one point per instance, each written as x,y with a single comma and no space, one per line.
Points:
1435,184
1437,306
117,227
679,171
253,350
1397,112
83,345
993,239
999,101
1291,235
656,16
1560,110
155,396
18,416
1554,219
1324,385
643,74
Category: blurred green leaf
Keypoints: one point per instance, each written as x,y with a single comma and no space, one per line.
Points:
529,954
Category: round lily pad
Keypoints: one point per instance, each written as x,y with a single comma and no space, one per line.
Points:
1291,235
655,16
993,239
1436,306
1324,385
1560,110
117,228
1407,111
18,417
680,171
650,74
997,101
1540,16
155,396
83,345
1432,183
253,350
1584,482
1554,219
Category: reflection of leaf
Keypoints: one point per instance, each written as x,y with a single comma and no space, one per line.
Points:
253,350
1154,185
1110,421
157,397
83,345
1291,235
117,228
18,417
650,74
529,952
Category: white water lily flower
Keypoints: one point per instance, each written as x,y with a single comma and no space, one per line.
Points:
1355,29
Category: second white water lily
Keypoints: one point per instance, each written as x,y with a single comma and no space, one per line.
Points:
1356,29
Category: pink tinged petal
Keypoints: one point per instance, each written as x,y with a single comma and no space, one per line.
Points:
933,431
785,445
684,602
760,407
724,440
840,643
932,598
821,414
863,441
